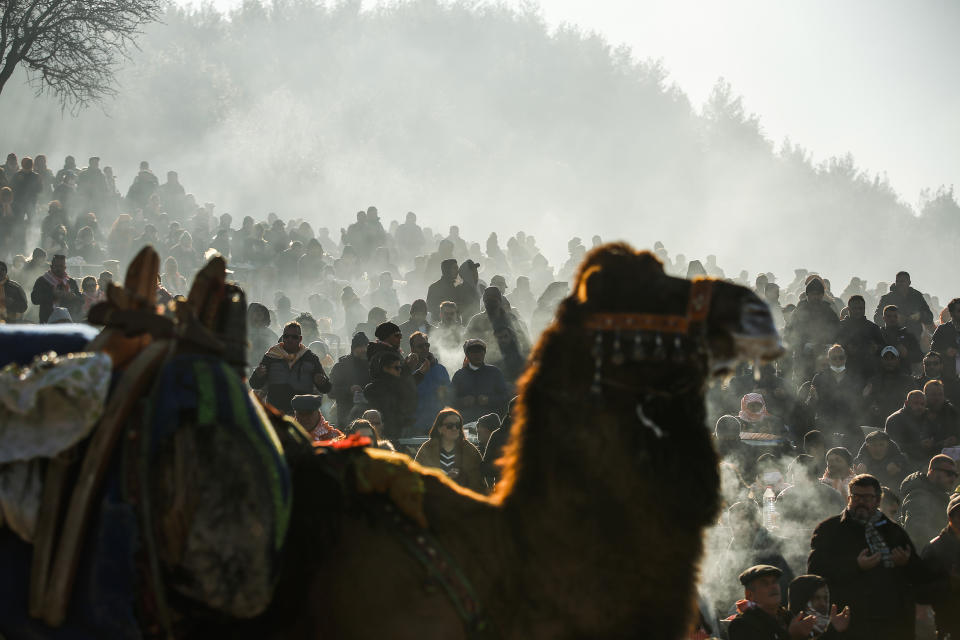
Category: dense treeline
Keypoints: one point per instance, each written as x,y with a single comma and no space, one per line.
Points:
480,115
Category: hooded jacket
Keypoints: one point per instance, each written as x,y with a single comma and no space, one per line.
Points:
924,508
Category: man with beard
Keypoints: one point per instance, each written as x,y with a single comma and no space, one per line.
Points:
925,496
349,376
933,370
913,308
909,428
56,289
861,339
946,339
869,564
942,415
443,289
506,338
288,369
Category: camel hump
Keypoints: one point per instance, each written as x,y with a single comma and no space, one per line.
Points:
608,269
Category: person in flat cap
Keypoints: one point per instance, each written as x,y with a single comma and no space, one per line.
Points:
942,559
478,388
306,411
759,614
349,376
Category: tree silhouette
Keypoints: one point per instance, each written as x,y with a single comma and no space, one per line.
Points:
71,47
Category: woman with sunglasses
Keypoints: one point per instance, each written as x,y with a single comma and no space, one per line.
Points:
448,450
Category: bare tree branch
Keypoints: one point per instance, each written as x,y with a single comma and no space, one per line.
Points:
71,48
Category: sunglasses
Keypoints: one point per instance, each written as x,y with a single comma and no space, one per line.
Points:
451,425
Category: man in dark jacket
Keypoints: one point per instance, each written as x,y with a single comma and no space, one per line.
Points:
349,376
478,388
933,370
942,415
27,186
869,564
836,393
812,327
925,496
881,457
394,396
502,332
861,340
417,320
899,336
909,428
288,369
760,615
443,289
946,339
942,559
886,391
914,310
56,289
13,300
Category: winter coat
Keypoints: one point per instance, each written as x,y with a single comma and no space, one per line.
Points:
284,381
15,299
348,372
924,508
485,381
878,468
467,460
946,337
396,400
908,430
887,393
431,396
907,305
941,557
880,599
42,296
862,342
905,342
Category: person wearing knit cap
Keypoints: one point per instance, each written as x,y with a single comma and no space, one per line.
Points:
349,376
942,559
812,328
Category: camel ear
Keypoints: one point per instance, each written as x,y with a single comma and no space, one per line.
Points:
208,290
139,289
589,283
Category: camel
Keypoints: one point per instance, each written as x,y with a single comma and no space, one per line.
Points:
595,530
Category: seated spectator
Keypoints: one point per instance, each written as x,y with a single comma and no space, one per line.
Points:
933,370
942,416
910,429
839,470
288,369
942,559
365,429
925,498
760,614
306,411
448,450
861,340
881,457
755,418
809,596
807,502
890,504
834,396
478,388
391,395
885,392
897,335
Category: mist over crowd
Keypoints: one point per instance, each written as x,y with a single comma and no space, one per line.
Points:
483,113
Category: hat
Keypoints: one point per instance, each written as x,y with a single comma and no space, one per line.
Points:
306,403
385,330
758,571
954,504
491,421
474,343
889,349
359,340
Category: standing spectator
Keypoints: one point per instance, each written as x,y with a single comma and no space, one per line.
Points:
925,497
259,334
914,310
27,187
812,328
390,394
56,289
349,376
289,368
942,558
909,428
448,450
861,339
897,335
881,457
433,389
443,289
946,339
478,388
503,333
92,188
869,564
13,300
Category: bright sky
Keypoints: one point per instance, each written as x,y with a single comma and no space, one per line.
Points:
877,78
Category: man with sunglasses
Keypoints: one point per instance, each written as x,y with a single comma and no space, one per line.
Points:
870,565
288,369
925,497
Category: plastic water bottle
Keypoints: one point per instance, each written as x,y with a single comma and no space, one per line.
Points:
769,509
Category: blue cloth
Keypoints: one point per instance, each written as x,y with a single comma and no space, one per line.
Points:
21,343
428,400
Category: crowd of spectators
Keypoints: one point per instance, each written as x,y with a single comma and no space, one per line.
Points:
838,461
